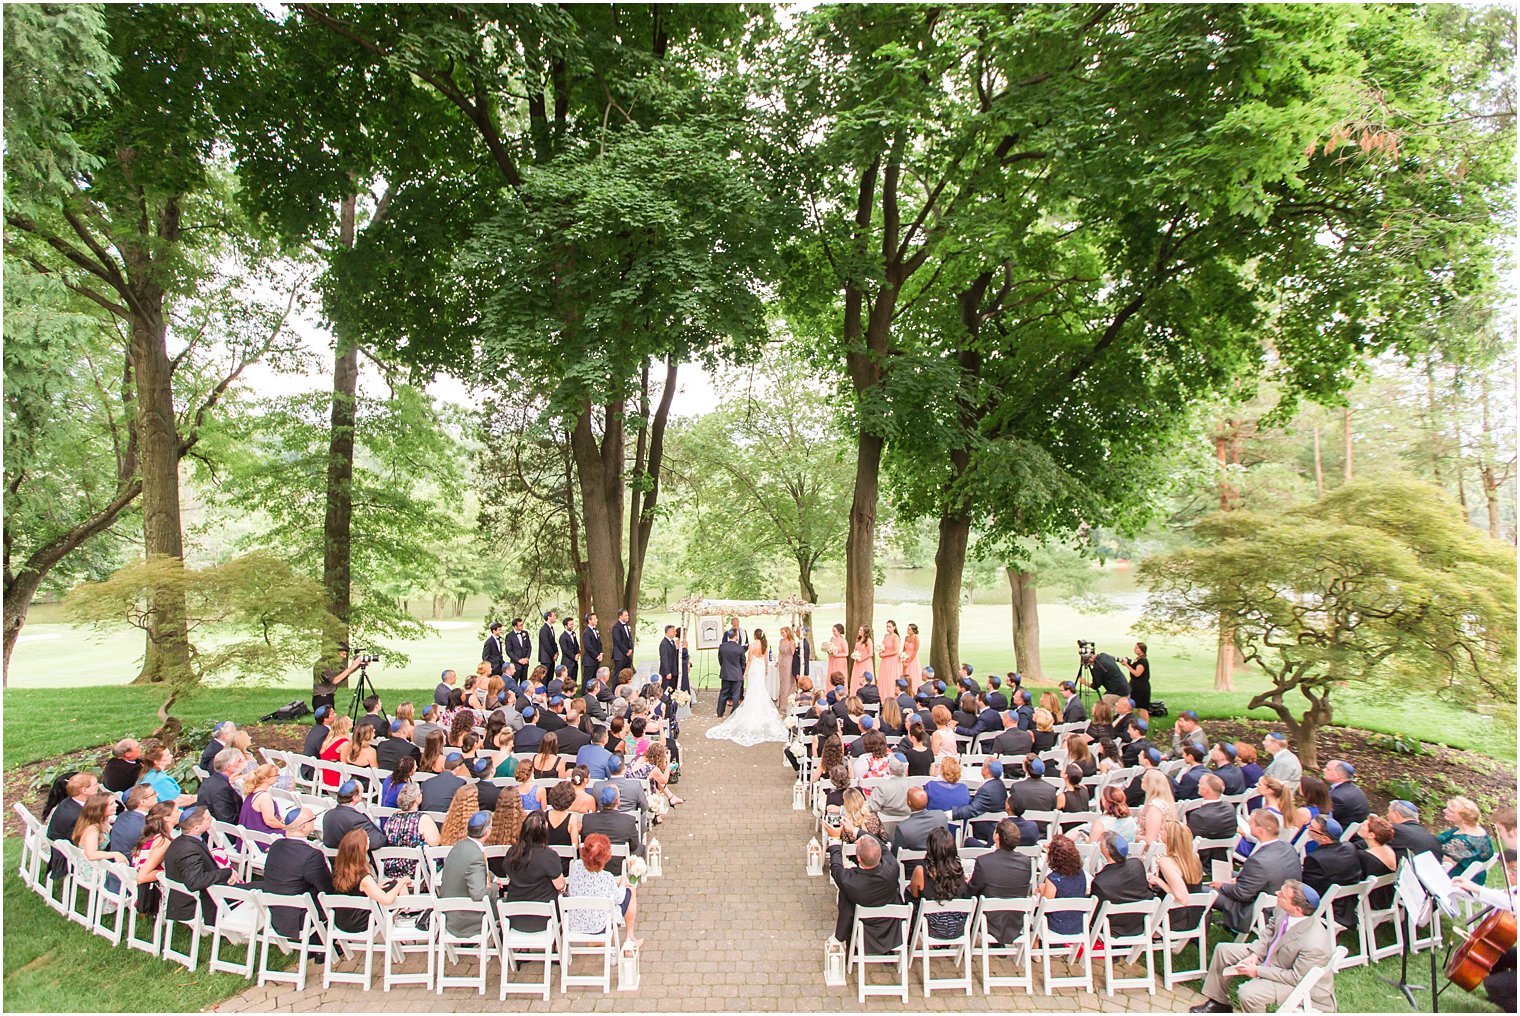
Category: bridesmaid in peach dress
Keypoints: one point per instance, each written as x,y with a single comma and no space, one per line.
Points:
838,652
891,662
912,668
864,658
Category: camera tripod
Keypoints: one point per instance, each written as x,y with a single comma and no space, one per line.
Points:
1085,690
363,688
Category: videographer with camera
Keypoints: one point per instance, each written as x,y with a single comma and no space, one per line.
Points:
1139,668
328,675
1106,678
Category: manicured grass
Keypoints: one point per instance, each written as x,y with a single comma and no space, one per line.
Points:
53,965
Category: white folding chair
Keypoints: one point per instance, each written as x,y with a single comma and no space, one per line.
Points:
607,943
82,889
520,946
480,942
904,871
33,846
1261,909
1015,951
409,856
430,871
195,925
1074,947
312,927
1133,945
1173,939
957,950
151,945
1325,914
115,901
1298,999
239,915
898,958
365,941
1373,918
401,936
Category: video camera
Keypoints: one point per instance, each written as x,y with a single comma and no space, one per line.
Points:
1086,648
365,659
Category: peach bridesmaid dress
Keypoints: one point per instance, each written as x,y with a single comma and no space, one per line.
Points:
839,661
891,666
912,669
863,666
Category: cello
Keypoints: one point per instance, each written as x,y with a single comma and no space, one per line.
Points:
1485,945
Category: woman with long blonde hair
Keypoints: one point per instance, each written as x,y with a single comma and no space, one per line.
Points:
332,748
1179,872
786,651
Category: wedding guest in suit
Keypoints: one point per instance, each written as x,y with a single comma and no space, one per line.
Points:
443,692
1122,879
1333,863
1409,836
1072,710
1346,799
591,649
912,833
1273,966
873,882
1223,757
465,875
339,821
1187,731
397,746
126,831
1001,875
670,659
622,643
1032,792
1013,740
373,717
1196,757
221,737
611,821
217,793
438,792
996,700
188,861
1284,765
123,768
1214,819
1272,863
991,798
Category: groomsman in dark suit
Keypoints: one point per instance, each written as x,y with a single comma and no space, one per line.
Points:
519,648
491,652
548,643
591,649
569,648
802,659
622,644
670,659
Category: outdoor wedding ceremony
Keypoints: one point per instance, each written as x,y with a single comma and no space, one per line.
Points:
797,507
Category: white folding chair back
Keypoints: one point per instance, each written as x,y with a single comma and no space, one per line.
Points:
365,942
195,924
312,927
115,901
1298,999
33,846
239,916
83,886
1128,948
572,943
430,871
531,946
1074,947
401,936
1016,951
1173,938
901,913
480,943
958,949
1373,918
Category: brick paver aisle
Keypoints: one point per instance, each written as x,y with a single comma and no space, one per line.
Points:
734,924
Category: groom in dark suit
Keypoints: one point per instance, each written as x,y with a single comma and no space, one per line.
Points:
670,659
730,671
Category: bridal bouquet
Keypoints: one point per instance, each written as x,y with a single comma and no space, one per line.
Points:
635,869
855,656
681,698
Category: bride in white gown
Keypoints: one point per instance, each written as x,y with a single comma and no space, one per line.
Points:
755,721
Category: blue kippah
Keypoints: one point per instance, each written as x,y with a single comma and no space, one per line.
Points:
607,796
1154,755
452,759
969,669
902,682
556,700
615,764
480,766
939,686
1311,895
1193,716
913,718
1121,846
478,821
1140,724
527,712
321,712
1334,828
995,681
866,723
443,673
1275,736
349,787
995,768
395,726
292,815
1037,768
899,756
220,726
1017,677
1227,748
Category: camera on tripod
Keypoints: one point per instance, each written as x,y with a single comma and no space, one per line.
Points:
365,659
1086,648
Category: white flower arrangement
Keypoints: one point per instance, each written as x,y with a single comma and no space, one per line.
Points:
855,656
791,723
635,869
681,698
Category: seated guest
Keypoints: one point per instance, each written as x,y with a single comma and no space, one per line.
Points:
547,765
1274,965
916,748
941,878
445,689
1409,836
1114,815
1013,740
1124,720
148,854
221,736
1033,793
594,756
434,752
260,812
1314,799
1179,872
1044,730
1283,764
1001,875
431,713
1122,879
1022,707
485,790
465,874
391,750
216,792
857,820
1029,833
91,832
632,799
123,768
1101,726
948,792
912,833
616,825
295,867
390,788
1197,768
589,876
1073,797
991,798
408,827
1079,754
889,799
337,822
127,830
986,721
1245,756
1333,863
1223,757
373,718
996,700
1465,841
1139,744
840,779
438,792
188,861
1347,801
1188,731
351,877
1072,709
1064,879
533,871
456,824
1214,819
1149,762
1378,858
157,759
64,815
871,883
506,826
1272,863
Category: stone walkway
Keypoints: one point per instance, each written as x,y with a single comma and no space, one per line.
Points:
735,924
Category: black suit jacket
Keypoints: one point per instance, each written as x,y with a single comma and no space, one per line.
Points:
1187,785
1035,795
591,647
572,739
188,861
730,662
569,650
1074,711
208,756
1002,875
861,888
1012,741
1123,882
1413,838
1348,804
438,792
391,750
622,645
670,662
293,868
519,648
338,821
218,795
548,646
618,827
488,794
491,653
60,826
1335,864
1214,820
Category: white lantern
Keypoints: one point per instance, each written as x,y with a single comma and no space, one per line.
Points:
653,857
814,857
799,796
628,968
833,963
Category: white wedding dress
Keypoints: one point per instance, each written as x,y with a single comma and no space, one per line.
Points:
756,720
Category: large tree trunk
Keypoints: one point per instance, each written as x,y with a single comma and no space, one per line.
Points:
1026,626
599,470
1319,465
337,525
646,495
167,659
860,545
945,611
1346,424
1226,449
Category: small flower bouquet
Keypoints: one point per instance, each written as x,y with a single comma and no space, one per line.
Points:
791,723
635,869
681,698
855,656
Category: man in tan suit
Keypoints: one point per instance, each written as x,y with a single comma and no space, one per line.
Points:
1275,963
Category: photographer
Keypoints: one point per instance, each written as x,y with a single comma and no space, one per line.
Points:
1139,668
327,675
1107,680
